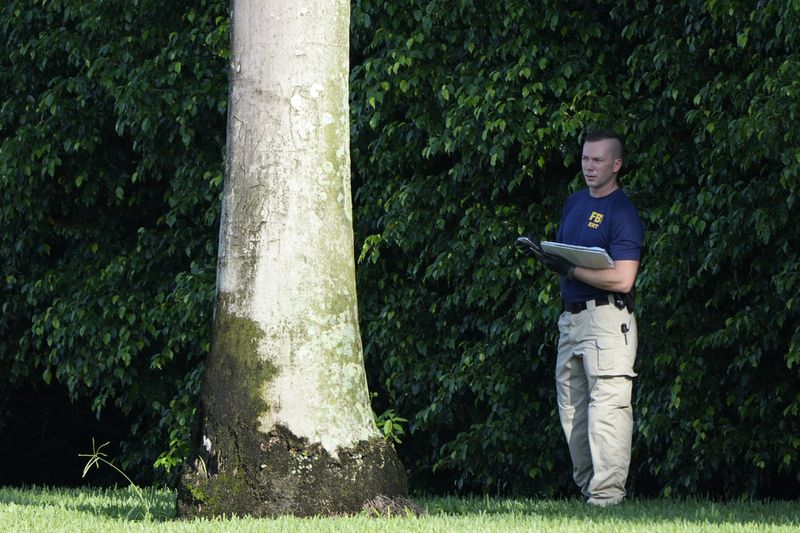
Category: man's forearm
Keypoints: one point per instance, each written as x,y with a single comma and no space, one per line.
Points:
617,279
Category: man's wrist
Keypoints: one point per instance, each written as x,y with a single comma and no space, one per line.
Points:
571,272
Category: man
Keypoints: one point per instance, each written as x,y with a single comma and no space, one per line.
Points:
597,330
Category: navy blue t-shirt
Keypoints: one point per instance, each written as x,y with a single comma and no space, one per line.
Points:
610,222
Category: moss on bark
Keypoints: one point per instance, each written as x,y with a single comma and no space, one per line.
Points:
234,359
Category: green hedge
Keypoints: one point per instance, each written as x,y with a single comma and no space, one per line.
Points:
467,123
466,119
111,166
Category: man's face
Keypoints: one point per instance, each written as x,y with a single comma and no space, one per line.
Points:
600,164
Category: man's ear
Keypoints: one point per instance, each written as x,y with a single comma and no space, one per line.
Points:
617,164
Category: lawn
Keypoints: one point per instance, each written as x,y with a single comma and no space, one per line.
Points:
86,510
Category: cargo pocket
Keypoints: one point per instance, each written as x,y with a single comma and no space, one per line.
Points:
613,357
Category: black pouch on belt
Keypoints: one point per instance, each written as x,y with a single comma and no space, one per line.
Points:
625,301
630,301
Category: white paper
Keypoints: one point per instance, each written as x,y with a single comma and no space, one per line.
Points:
582,256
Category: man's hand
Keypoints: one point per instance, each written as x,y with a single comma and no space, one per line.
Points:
531,247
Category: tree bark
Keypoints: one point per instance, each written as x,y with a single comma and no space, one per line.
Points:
286,425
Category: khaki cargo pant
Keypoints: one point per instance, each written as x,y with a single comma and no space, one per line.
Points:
594,376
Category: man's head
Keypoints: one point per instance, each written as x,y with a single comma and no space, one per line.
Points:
601,161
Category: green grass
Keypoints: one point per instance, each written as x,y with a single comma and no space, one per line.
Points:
86,510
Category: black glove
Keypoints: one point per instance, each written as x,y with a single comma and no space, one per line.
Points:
531,247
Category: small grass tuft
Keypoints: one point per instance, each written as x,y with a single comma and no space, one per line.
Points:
97,457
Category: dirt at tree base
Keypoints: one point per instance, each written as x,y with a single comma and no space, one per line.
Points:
384,506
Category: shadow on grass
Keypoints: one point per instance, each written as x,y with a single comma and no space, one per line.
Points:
112,503
633,512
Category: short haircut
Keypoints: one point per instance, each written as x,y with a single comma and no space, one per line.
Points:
602,135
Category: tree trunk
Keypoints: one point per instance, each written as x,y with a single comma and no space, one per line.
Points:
286,425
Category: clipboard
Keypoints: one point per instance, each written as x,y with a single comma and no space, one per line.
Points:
583,256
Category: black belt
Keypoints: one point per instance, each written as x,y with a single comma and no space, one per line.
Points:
577,307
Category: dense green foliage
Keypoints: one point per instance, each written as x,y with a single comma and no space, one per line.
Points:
467,118
111,166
